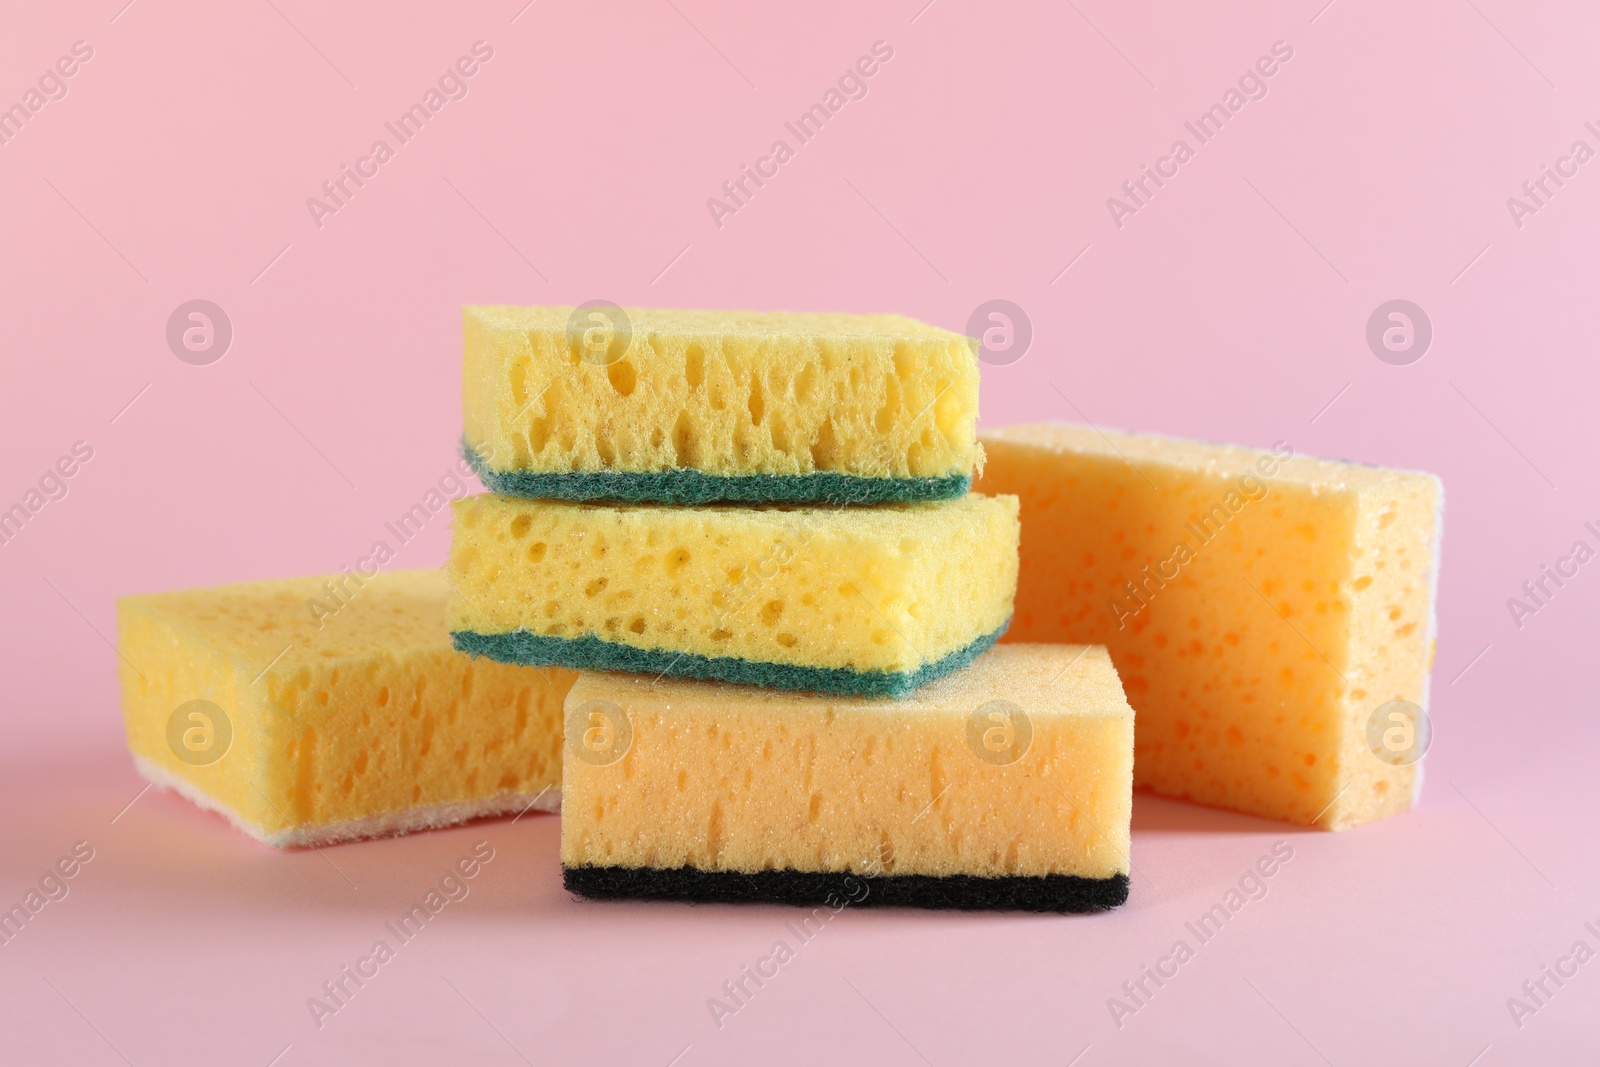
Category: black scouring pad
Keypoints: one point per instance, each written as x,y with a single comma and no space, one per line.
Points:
1049,892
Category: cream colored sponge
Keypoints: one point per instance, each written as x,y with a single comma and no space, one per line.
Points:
1007,784
859,600
638,404
313,710
1264,609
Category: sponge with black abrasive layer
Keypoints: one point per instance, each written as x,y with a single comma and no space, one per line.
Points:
1006,785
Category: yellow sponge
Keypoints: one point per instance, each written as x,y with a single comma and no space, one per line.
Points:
860,600
1262,608
314,710
699,406
1006,784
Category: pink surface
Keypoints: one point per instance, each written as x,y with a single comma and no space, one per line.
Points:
1232,305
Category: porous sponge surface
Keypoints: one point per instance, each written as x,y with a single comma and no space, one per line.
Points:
367,714
887,589
724,393
1305,602
686,486
725,778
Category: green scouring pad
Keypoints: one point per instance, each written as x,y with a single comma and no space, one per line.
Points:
589,652
685,485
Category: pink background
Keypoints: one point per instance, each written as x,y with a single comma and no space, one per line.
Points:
1232,307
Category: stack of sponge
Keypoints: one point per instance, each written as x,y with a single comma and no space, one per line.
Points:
779,502
732,607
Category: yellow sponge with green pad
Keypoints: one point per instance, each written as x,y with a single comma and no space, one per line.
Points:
1264,608
1005,785
872,600
692,407
315,710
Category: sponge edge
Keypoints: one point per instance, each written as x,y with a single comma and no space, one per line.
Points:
1042,893
384,824
589,652
686,485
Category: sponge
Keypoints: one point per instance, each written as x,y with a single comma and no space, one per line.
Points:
856,600
693,407
1261,607
1005,785
312,710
